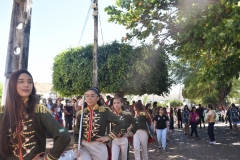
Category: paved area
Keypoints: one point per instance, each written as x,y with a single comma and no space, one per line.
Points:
182,147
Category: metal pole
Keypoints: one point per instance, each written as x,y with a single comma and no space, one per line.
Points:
18,43
95,63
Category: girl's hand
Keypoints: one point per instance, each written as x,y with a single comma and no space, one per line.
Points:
102,139
77,152
39,158
136,113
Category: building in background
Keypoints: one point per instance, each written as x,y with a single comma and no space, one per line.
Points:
45,90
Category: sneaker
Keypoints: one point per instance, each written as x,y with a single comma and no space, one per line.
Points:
214,142
211,143
164,149
159,147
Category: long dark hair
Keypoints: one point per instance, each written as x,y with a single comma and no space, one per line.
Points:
186,108
140,108
13,112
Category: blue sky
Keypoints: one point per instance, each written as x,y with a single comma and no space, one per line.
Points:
55,26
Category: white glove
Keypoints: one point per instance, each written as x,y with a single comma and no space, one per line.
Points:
77,152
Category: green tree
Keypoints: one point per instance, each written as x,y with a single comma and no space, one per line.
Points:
203,33
121,68
143,18
175,103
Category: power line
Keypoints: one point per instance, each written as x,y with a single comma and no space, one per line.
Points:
100,24
85,23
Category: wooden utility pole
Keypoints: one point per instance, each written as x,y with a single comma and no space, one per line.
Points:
18,43
95,54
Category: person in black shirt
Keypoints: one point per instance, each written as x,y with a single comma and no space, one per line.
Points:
68,115
160,127
200,112
171,118
179,117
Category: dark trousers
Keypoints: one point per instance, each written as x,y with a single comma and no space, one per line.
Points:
201,121
230,123
211,131
194,128
226,120
180,122
222,119
172,123
68,123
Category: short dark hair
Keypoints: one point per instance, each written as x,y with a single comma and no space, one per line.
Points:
233,105
78,97
210,106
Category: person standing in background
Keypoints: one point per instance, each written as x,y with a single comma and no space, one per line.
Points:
107,103
68,115
171,118
179,118
229,117
44,102
185,116
200,112
75,105
79,103
160,127
60,105
211,115
193,118
49,103
234,118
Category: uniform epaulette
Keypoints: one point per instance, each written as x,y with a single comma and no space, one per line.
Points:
80,111
41,109
103,109
126,113
1,109
142,113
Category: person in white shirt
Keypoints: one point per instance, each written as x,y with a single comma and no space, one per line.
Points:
211,115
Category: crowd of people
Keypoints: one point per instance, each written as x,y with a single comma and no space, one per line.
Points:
102,129
153,121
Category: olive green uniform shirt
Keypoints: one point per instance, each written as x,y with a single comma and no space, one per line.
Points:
34,136
128,120
95,122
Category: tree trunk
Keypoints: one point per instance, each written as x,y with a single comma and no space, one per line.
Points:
222,94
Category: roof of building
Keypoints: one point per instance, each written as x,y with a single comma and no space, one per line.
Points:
43,87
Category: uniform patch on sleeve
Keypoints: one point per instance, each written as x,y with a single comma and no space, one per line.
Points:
61,130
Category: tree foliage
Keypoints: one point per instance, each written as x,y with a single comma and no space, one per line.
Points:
143,18
175,103
121,67
204,34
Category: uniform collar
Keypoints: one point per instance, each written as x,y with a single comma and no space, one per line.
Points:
25,102
117,113
94,108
